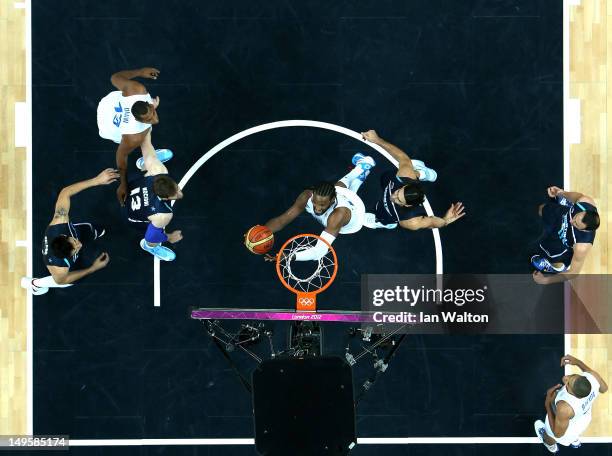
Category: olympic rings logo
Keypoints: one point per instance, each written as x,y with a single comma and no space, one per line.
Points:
306,301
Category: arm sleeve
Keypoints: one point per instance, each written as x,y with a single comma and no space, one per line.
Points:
593,381
318,251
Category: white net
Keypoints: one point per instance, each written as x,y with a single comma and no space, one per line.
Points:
305,276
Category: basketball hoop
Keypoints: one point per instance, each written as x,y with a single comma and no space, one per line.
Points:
306,288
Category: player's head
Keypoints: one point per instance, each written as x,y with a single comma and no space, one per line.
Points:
165,187
65,246
145,112
577,385
408,195
586,220
323,195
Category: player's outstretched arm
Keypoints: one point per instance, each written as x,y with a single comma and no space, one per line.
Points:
338,218
454,213
63,276
573,197
123,80
405,168
151,163
278,223
573,361
62,205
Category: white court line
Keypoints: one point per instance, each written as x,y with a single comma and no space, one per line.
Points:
30,337
300,123
156,283
360,441
147,442
566,96
467,440
574,126
567,339
21,120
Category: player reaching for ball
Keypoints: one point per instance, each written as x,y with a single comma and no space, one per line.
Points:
335,205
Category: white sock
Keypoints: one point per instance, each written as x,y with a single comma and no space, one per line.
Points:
351,179
355,184
48,282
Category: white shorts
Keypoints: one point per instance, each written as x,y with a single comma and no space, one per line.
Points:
357,211
106,115
573,432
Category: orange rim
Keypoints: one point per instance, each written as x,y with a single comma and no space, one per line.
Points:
280,275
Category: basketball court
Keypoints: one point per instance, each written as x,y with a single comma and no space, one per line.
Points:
259,102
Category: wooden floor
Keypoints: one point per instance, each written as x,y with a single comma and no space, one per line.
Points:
590,169
13,329
590,46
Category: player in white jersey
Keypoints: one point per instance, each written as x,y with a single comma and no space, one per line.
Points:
125,116
568,406
335,206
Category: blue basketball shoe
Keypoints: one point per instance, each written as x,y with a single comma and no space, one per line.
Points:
425,173
540,431
365,162
544,265
159,251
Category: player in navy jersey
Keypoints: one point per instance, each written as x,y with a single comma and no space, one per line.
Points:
68,248
149,202
402,200
569,221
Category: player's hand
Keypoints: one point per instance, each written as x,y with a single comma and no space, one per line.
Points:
149,73
551,393
107,176
268,257
570,360
175,236
454,213
101,262
155,103
553,191
540,278
371,136
122,193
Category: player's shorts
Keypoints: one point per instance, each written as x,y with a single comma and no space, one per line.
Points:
357,209
109,116
573,432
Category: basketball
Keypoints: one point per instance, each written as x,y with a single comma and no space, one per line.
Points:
259,239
